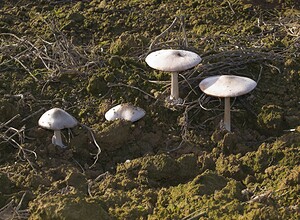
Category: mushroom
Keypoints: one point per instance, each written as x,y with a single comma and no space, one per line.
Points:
56,119
173,61
125,111
227,86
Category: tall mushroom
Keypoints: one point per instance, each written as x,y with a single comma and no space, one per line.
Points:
227,86
57,119
173,61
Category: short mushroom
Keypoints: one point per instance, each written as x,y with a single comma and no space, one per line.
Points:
126,112
227,86
173,61
57,119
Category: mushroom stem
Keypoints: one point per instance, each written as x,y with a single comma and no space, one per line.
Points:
227,114
174,86
56,139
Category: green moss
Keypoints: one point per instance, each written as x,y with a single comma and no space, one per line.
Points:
259,211
97,85
207,182
162,169
232,191
271,119
231,166
174,202
105,44
262,158
114,134
66,205
124,197
127,43
116,61
229,142
132,204
78,181
78,144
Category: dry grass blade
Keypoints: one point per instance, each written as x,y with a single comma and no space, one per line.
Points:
58,55
92,182
12,211
8,136
167,34
95,142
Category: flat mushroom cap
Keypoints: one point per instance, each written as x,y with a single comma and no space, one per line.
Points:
172,60
57,119
125,111
227,85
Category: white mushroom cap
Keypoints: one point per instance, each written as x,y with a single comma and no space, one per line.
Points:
172,60
227,85
125,111
57,119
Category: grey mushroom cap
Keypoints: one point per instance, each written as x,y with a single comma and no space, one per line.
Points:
227,85
57,119
173,60
126,112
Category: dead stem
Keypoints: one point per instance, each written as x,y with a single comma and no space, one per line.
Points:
92,182
95,142
58,57
21,136
167,31
132,87
13,211
164,33
33,114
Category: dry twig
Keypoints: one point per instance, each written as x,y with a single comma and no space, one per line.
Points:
13,211
6,136
58,57
92,182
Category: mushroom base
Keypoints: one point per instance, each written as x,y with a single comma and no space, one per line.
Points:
171,100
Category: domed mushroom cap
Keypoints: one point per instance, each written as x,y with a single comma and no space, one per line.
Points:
172,60
57,119
227,85
126,111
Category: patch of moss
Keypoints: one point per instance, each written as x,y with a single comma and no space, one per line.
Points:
106,42
162,169
231,166
131,204
265,156
260,211
176,202
78,181
66,205
97,85
271,119
127,43
116,61
114,134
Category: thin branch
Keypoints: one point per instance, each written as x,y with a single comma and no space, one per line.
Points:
164,33
95,142
132,87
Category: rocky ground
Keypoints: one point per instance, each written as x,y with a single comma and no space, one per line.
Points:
176,162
